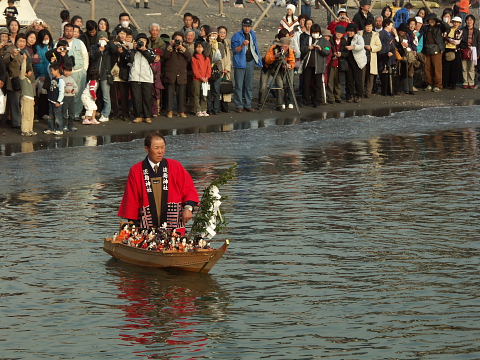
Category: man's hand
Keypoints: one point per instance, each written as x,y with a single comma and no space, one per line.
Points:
246,42
58,104
349,47
187,216
368,47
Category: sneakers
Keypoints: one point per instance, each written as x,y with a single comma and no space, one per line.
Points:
148,120
29,133
95,122
290,106
138,120
86,122
103,119
199,113
206,113
48,132
183,115
414,89
57,132
436,89
428,88
170,114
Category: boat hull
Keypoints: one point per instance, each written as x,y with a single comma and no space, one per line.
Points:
196,261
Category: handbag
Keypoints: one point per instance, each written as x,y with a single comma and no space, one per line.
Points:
226,86
466,53
16,86
450,56
432,49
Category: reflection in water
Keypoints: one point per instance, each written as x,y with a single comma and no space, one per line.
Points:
67,141
352,239
166,312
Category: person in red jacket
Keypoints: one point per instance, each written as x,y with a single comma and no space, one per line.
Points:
202,71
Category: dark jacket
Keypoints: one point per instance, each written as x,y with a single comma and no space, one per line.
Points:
361,20
3,76
103,61
175,66
319,56
437,35
476,39
119,26
88,40
388,46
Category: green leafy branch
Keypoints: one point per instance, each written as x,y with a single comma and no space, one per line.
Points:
205,210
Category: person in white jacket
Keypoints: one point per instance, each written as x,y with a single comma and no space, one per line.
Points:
357,60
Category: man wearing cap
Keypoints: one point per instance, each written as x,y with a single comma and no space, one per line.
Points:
4,40
279,51
363,14
101,56
246,55
77,49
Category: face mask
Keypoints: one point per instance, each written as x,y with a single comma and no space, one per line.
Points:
102,42
46,42
316,36
125,24
446,19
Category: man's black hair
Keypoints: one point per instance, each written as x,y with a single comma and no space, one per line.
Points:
123,14
64,15
187,14
148,139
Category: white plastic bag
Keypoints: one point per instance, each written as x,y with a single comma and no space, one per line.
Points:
205,88
3,102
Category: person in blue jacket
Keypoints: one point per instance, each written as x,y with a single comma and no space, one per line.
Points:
246,55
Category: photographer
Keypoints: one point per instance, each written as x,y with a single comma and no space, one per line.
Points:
177,59
121,72
141,79
101,55
315,50
281,54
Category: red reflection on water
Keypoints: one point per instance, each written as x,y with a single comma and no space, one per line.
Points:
165,313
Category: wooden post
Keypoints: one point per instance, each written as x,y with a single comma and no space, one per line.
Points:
125,9
426,5
357,2
64,4
172,2
34,6
325,5
206,4
92,10
267,9
260,7
220,8
180,12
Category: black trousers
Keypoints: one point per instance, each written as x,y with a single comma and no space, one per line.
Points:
312,87
142,93
176,96
355,79
451,70
120,99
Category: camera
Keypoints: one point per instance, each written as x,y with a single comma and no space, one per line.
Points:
140,44
178,43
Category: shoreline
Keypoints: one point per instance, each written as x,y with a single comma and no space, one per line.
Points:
114,131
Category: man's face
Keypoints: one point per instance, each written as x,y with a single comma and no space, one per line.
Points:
4,38
350,33
157,149
378,22
188,21
190,37
246,29
68,32
368,28
366,8
92,32
338,35
155,32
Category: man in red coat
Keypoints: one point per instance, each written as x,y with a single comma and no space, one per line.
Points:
159,190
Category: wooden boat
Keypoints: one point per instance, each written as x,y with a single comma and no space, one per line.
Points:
201,261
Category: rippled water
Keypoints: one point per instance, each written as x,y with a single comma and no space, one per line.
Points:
351,238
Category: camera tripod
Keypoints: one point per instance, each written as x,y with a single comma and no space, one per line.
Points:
289,83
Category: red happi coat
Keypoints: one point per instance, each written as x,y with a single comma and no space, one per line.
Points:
178,190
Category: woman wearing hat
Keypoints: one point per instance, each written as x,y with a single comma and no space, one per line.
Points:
452,63
315,51
356,60
141,79
289,21
433,48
